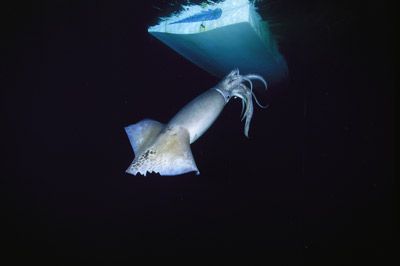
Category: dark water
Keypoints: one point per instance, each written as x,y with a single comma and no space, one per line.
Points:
314,181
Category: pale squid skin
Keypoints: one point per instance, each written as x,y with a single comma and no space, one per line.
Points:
199,114
166,149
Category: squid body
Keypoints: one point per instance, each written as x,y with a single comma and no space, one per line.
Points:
165,148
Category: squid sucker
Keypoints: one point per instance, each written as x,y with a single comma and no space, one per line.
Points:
165,149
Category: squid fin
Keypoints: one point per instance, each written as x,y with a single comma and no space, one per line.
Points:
163,150
143,133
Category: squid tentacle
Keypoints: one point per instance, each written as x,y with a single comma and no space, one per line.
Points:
243,101
246,94
249,114
258,103
257,77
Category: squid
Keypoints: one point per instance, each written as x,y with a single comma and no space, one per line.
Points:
165,148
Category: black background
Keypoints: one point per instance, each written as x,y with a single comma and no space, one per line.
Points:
315,178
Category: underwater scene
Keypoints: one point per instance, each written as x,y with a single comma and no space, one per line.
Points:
234,127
